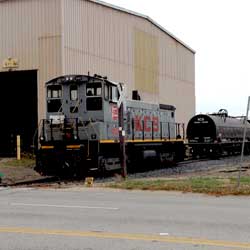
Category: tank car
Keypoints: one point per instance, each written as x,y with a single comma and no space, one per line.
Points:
217,134
81,133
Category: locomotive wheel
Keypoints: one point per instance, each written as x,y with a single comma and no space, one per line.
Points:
39,166
101,166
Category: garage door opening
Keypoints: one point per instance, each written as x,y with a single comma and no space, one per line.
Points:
18,109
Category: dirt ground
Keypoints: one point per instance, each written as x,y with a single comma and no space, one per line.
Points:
18,173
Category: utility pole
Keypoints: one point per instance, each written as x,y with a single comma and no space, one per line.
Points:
120,105
122,141
243,142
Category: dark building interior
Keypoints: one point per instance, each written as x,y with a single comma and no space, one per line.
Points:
18,109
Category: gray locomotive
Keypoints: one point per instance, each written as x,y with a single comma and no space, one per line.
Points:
81,132
217,134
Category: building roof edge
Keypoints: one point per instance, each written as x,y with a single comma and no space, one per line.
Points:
145,17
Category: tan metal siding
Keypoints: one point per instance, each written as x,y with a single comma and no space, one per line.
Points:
129,49
49,64
22,23
146,61
31,33
79,36
99,50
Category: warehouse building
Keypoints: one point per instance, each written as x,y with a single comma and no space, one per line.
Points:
42,39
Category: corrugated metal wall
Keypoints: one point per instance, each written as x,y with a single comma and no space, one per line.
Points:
97,40
31,33
79,36
129,49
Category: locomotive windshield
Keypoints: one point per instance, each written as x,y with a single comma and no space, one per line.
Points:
94,89
94,96
73,92
54,98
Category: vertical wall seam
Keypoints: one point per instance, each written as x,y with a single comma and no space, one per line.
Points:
63,36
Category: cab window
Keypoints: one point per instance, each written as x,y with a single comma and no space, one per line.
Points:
94,89
73,92
106,92
94,96
54,98
113,94
54,91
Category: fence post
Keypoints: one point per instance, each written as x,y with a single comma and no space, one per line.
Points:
18,146
243,143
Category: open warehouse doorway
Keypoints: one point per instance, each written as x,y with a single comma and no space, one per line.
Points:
18,109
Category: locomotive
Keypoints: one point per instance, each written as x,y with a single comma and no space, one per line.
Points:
217,134
80,133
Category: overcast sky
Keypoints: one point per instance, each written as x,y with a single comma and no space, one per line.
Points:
219,32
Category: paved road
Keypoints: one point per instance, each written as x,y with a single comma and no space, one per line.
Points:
92,219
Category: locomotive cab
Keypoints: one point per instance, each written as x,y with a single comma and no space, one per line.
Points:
79,97
75,121
76,107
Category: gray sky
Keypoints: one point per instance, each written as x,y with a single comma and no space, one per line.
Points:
219,32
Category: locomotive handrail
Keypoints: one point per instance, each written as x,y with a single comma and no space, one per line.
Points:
161,130
59,110
133,127
76,106
152,129
169,131
166,130
90,122
143,130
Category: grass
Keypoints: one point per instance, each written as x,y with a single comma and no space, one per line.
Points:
24,162
211,185
207,185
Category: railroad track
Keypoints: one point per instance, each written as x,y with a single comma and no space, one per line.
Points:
192,161
161,171
42,180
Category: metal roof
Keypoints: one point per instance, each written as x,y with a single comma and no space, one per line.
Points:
144,17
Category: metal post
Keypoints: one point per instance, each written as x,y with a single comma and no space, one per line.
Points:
183,131
77,129
243,142
121,106
143,127
18,146
133,129
152,124
51,131
169,136
122,141
161,129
